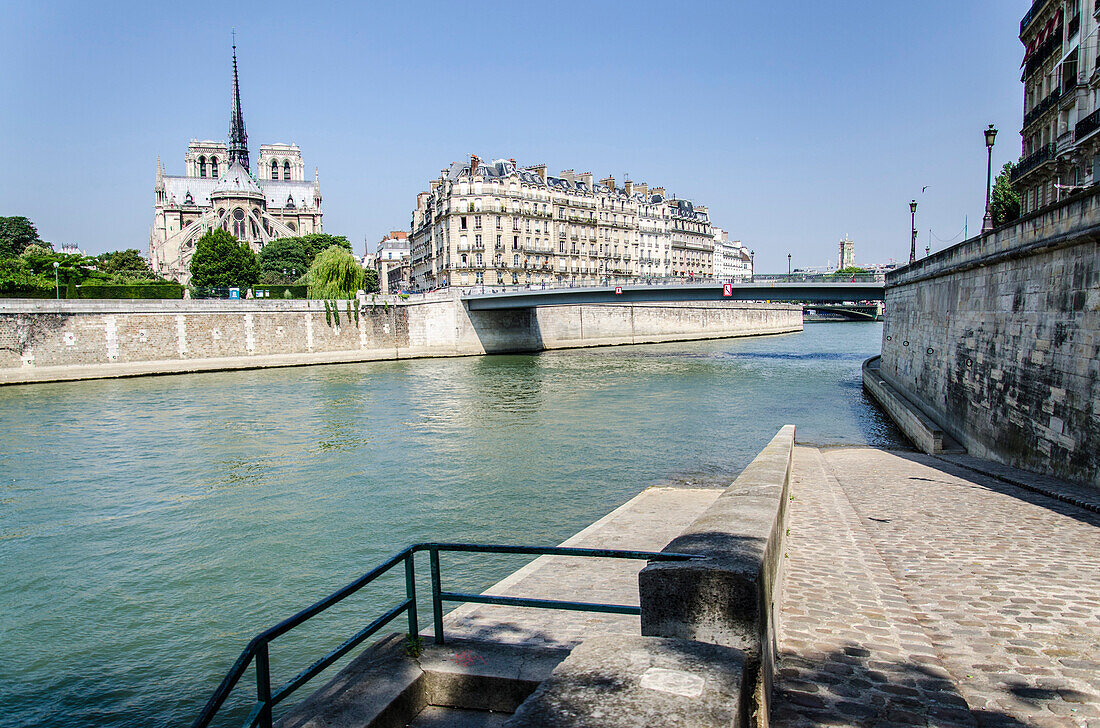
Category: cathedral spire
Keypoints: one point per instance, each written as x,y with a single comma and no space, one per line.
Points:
238,139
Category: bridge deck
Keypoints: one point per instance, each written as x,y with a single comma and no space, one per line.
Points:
794,292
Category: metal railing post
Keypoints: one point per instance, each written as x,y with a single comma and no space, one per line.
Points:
437,601
263,685
410,594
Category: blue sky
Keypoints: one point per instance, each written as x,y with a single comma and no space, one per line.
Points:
796,122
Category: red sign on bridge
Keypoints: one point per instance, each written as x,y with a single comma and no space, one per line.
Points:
618,290
727,289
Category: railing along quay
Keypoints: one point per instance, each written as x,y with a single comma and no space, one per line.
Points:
257,649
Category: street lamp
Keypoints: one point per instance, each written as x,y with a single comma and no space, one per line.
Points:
788,266
752,266
990,137
913,224
56,284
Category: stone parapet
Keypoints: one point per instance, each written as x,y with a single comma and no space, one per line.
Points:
730,598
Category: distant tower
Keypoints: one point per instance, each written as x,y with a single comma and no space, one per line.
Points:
238,138
847,253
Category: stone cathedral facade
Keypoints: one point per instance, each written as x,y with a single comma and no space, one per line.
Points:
219,189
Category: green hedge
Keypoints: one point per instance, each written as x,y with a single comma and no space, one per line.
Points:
149,290
12,289
279,291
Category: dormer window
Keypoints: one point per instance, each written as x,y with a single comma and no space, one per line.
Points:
188,200
290,202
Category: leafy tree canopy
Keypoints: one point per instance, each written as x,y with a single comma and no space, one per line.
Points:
16,233
370,281
126,262
283,260
1004,202
335,273
314,243
851,270
220,260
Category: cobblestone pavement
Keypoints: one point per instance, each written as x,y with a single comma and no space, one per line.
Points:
920,593
645,523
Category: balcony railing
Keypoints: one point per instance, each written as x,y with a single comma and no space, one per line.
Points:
1043,154
1087,125
1036,8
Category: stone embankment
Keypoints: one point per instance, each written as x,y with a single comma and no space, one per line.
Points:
997,341
42,340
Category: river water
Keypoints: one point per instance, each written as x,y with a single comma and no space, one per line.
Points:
149,527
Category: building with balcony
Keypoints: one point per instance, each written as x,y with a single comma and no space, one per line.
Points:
502,224
731,260
1061,80
391,262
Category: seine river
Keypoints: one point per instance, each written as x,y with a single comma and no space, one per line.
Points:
149,527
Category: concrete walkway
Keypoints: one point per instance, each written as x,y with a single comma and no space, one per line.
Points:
921,593
645,523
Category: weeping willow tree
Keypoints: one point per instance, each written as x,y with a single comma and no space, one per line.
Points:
335,273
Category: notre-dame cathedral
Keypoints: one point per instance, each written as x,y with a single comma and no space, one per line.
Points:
219,189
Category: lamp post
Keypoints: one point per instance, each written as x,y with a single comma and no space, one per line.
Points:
788,266
752,265
56,284
913,224
990,137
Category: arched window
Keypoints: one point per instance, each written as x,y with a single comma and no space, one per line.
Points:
213,166
238,223
292,226
274,169
286,170
202,166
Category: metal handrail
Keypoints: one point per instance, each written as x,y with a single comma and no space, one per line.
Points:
257,648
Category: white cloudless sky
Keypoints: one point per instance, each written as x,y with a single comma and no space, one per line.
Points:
796,123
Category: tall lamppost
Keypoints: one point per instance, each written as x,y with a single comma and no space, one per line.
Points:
752,265
913,224
990,137
56,284
788,266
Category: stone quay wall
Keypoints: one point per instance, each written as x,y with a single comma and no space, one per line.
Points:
43,340
997,339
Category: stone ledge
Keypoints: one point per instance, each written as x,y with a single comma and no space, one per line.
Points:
628,681
730,598
921,430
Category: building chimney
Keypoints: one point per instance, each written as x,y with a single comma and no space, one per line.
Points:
586,177
567,175
433,184
643,189
540,170
608,182
473,164
659,191
629,188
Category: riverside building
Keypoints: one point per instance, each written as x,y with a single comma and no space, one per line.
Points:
219,190
501,224
1061,80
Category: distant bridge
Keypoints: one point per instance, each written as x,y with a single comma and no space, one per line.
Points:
806,292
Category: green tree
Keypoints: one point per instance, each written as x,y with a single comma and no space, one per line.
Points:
283,260
16,233
370,281
125,264
34,250
220,260
335,273
1004,202
315,243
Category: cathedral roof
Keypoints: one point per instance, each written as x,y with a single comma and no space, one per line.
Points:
275,192
236,181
